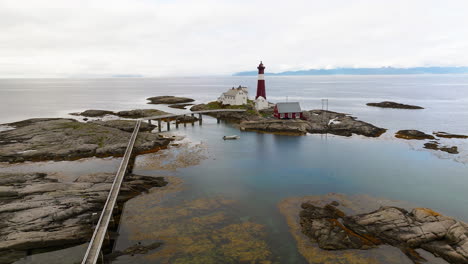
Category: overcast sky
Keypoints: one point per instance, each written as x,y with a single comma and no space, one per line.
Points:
62,38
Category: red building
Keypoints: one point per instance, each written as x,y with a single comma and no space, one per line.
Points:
289,110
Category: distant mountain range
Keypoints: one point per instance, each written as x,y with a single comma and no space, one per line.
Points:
367,71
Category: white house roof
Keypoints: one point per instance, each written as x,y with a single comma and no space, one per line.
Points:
233,91
288,107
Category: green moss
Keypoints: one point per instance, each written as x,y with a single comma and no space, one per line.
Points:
217,105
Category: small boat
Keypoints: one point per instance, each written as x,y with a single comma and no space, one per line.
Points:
231,137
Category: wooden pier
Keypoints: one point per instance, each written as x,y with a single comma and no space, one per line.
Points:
167,118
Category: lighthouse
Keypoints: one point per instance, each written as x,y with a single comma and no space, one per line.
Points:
260,100
261,81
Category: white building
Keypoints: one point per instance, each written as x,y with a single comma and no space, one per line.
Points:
234,96
261,103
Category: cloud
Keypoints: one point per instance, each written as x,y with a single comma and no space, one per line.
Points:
60,38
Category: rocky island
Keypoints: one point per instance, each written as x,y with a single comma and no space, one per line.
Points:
449,135
413,134
434,145
388,104
315,122
169,100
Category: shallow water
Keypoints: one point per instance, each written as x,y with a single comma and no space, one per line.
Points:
258,171
230,190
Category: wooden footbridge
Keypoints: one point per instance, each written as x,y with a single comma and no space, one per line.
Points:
93,253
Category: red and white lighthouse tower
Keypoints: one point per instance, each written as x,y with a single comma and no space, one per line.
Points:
261,81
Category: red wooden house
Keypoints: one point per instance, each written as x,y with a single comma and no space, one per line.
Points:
288,110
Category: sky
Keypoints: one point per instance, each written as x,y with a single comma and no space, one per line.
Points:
76,38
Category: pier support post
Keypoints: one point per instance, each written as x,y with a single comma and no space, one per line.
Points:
149,121
193,118
217,118
159,125
185,121
176,123
168,125
200,119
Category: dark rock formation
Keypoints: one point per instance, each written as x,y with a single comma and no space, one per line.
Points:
41,211
435,146
179,106
322,122
448,135
96,113
68,139
421,228
140,113
388,104
413,134
169,100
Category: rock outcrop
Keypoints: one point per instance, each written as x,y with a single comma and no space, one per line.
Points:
125,125
136,113
448,135
42,211
169,100
388,104
140,113
421,228
179,106
435,146
322,122
96,113
68,139
413,134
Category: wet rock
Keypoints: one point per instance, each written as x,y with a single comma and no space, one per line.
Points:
68,139
135,249
448,135
276,126
341,124
388,104
140,113
49,213
451,150
413,134
421,228
96,113
169,100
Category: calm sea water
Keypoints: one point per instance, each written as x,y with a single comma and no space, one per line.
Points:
259,170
